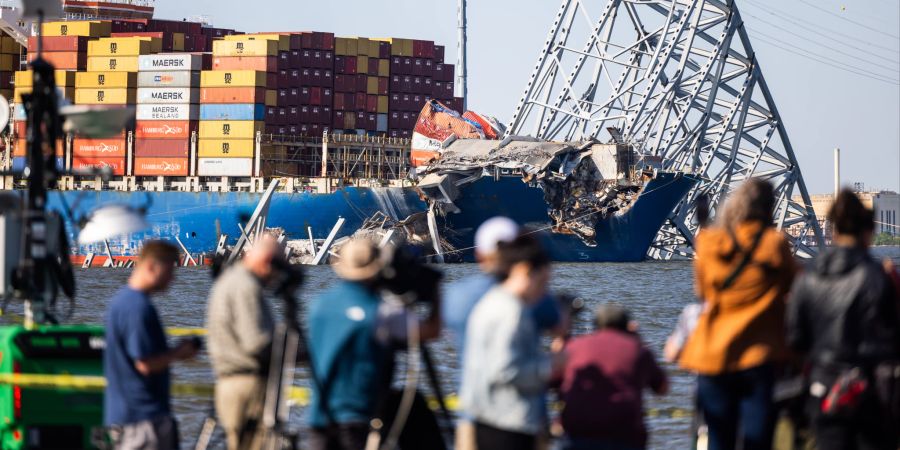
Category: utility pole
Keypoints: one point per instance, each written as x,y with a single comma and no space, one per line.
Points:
461,78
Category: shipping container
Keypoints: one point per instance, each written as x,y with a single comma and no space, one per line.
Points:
237,78
238,95
168,79
126,46
225,167
117,165
226,148
64,78
21,145
168,112
59,60
283,40
171,62
77,28
68,93
99,148
162,148
243,111
60,44
174,167
108,80
164,129
19,163
168,42
115,64
168,95
245,48
104,96
258,63
230,129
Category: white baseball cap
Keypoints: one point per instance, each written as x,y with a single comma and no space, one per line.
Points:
493,231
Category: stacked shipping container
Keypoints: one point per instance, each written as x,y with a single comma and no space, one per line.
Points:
167,112
10,52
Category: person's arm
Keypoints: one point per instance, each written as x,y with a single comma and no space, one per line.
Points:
798,336
158,363
657,380
522,366
252,324
147,348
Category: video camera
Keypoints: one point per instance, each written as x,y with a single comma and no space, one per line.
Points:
406,276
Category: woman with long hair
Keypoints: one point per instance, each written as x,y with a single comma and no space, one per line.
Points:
743,272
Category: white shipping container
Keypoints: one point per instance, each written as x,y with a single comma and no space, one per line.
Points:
169,79
225,167
170,62
168,95
168,112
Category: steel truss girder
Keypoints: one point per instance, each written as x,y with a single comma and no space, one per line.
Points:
680,82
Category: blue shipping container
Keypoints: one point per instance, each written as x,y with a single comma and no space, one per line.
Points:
18,163
241,111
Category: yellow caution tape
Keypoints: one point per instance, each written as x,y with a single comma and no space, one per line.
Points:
179,332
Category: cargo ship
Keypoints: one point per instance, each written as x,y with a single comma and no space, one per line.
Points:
342,122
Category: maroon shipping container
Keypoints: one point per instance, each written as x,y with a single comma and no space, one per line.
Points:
60,44
351,65
439,53
407,84
448,89
271,115
315,96
361,83
418,68
423,49
337,120
166,38
438,72
449,72
406,102
344,83
373,67
361,101
429,87
384,50
161,148
383,84
315,114
327,96
372,103
339,102
428,68
416,103
396,65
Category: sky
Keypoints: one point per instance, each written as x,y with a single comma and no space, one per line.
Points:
807,50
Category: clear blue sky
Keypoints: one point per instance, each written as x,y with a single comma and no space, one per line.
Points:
822,107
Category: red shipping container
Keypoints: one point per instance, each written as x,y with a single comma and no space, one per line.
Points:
164,129
99,148
233,95
383,84
117,165
63,60
361,101
372,103
339,102
162,148
175,167
384,50
315,96
60,44
373,67
439,53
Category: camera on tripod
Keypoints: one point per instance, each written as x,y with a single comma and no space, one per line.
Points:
407,277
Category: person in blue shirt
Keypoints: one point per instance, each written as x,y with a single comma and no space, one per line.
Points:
352,331
136,360
461,297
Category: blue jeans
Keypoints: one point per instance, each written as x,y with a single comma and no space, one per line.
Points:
738,401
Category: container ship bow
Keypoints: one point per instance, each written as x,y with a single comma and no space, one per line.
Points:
592,202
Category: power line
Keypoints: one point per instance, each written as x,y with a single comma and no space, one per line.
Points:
822,59
876,64
784,16
846,19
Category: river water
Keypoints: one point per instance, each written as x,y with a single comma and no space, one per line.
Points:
655,292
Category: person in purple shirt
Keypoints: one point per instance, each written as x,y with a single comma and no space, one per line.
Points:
461,297
602,385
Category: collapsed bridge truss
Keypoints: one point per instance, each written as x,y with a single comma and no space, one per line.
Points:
677,80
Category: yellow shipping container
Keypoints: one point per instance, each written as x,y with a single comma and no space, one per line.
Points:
362,46
127,46
177,42
340,46
232,78
383,104
284,41
401,47
230,129
92,28
374,49
271,97
245,48
372,86
107,80
64,78
226,148
362,64
68,93
384,67
9,63
105,96
9,46
116,64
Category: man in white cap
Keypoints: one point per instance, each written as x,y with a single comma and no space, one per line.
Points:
461,297
352,330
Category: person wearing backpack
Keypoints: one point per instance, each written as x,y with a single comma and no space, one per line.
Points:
743,272
843,318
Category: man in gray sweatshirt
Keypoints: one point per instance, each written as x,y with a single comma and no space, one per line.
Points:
240,324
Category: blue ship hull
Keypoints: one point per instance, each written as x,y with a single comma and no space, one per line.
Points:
624,237
196,218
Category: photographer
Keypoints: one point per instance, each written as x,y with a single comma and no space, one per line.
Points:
352,331
137,358
241,326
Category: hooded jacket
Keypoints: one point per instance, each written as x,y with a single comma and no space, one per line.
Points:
844,311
